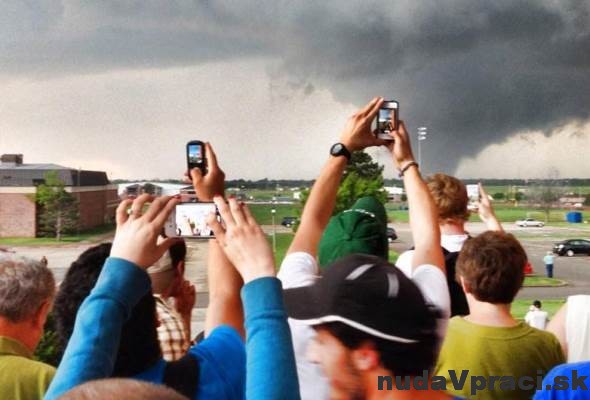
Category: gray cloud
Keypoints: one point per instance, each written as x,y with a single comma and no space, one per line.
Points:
474,72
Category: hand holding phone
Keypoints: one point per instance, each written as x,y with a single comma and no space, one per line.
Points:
387,119
189,220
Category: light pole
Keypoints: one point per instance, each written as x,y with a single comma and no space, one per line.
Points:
422,133
273,211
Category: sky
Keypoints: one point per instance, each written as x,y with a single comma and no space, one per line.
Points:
121,86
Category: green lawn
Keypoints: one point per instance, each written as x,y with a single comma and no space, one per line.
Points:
541,281
89,235
521,306
263,215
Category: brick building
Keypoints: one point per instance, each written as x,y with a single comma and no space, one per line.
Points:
97,198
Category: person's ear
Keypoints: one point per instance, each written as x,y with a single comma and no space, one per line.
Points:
464,285
40,316
365,357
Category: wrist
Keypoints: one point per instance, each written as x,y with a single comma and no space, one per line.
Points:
251,274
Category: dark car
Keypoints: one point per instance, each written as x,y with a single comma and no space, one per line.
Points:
391,235
288,221
572,247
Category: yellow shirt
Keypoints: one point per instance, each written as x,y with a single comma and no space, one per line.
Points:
21,377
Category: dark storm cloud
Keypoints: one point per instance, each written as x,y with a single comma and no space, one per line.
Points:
473,72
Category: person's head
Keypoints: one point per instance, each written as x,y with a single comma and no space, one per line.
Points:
167,273
139,346
370,319
491,267
537,304
362,229
549,253
450,197
27,288
117,388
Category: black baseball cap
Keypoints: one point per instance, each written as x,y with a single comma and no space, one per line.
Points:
369,294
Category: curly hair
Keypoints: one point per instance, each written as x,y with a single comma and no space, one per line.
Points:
139,346
450,196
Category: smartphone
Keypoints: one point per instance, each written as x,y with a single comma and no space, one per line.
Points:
196,157
189,220
387,119
473,195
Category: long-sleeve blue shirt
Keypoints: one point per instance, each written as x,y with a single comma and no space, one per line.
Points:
271,374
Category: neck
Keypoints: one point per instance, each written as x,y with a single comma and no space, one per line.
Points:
489,314
23,332
390,392
452,228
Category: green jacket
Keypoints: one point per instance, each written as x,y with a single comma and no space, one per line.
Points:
21,377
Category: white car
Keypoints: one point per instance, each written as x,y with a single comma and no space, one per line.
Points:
529,222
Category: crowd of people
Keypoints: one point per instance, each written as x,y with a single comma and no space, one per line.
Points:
338,320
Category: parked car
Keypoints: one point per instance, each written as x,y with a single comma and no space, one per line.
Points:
391,234
529,222
288,221
571,247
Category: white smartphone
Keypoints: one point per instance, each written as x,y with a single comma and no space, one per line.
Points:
387,119
189,220
473,194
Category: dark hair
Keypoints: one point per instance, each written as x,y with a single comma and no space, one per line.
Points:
402,359
492,265
177,252
139,347
537,303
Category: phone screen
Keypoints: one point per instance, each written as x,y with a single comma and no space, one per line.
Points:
190,220
387,119
473,192
195,154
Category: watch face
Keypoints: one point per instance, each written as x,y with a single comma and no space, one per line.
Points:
337,148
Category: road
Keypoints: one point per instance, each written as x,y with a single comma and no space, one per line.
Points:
536,242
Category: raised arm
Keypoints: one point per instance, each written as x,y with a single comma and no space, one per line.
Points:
269,346
356,136
423,212
486,211
225,305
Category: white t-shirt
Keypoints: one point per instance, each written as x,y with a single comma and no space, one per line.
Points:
536,318
301,269
577,328
452,243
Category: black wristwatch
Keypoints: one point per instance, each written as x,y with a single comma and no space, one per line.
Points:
339,149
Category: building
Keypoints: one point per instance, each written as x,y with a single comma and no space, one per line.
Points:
19,214
394,193
154,188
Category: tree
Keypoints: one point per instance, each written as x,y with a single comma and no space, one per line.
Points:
59,209
498,196
546,192
362,177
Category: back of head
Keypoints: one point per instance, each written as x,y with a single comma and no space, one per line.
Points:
128,389
139,347
492,266
362,229
450,197
25,285
537,303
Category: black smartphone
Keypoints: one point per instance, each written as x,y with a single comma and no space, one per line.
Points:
189,220
387,119
196,157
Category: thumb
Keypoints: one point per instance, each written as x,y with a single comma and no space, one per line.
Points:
164,245
197,175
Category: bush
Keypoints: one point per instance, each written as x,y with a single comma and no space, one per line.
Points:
48,350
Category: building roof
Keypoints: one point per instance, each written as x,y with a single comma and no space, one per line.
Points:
34,174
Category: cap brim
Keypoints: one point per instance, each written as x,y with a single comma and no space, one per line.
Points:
303,303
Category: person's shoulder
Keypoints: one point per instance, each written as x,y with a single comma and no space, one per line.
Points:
581,368
298,269
32,369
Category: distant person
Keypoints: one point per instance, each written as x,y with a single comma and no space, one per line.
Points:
175,299
549,259
450,196
27,288
536,317
571,325
489,341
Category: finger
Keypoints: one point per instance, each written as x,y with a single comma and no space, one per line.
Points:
138,204
155,207
372,112
121,213
482,192
224,211
217,229
248,215
211,158
196,175
365,110
402,128
236,211
160,218
164,246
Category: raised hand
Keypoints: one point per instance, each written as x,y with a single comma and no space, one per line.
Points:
136,237
400,147
486,211
211,184
357,133
242,240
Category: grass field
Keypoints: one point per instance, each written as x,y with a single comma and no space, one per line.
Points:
262,212
541,281
521,306
88,235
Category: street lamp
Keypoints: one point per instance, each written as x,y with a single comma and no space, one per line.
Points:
273,211
422,133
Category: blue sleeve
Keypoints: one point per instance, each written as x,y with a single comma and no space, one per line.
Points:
271,372
222,365
565,374
92,348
